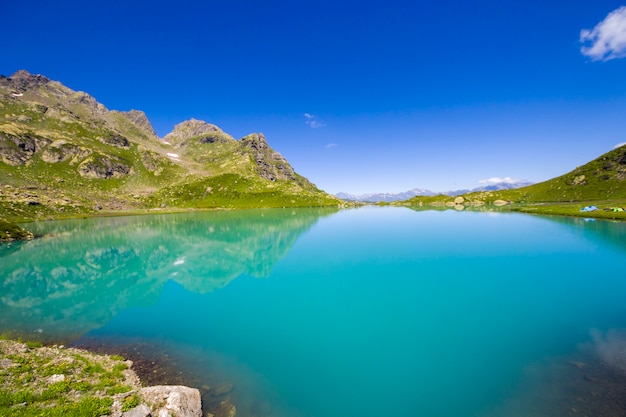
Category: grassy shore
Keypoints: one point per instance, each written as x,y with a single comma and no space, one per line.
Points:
10,230
556,208
53,381
573,209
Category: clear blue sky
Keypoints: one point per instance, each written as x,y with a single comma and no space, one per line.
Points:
360,96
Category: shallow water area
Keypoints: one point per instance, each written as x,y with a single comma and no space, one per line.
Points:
369,312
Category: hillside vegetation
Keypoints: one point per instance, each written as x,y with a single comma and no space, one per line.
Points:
64,154
601,182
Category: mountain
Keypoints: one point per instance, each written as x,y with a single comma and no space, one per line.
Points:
64,153
603,178
384,197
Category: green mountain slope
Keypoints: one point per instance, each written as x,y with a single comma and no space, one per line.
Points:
63,153
601,181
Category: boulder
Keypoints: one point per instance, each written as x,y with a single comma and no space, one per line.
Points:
580,180
226,409
173,400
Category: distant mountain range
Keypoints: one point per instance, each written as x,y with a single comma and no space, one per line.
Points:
389,197
384,197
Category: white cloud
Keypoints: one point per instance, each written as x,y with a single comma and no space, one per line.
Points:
619,145
608,39
331,145
312,121
497,180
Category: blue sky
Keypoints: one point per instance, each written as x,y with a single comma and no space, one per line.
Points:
367,96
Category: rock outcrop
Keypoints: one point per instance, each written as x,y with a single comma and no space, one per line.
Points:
18,150
103,167
61,151
270,164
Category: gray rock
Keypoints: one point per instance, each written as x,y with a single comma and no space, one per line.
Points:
18,150
142,410
53,379
176,400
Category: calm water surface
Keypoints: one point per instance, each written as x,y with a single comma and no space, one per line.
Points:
318,313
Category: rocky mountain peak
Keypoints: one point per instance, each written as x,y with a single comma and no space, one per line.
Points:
139,119
189,129
23,80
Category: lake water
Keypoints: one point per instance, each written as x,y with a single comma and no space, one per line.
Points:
325,313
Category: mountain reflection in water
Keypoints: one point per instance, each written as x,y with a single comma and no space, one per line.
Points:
83,272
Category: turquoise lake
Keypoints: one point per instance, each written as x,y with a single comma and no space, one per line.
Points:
325,313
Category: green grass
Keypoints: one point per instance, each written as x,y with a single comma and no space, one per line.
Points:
234,191
11,231
130,402
85,407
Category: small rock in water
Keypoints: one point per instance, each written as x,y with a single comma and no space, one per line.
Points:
223,388
579,365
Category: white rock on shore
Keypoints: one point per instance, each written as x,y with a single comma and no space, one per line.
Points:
172,401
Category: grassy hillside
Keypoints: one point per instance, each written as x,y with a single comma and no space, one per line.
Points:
601,182
602,179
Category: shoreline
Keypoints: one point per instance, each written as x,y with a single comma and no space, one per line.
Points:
155,366
37,376
562,209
